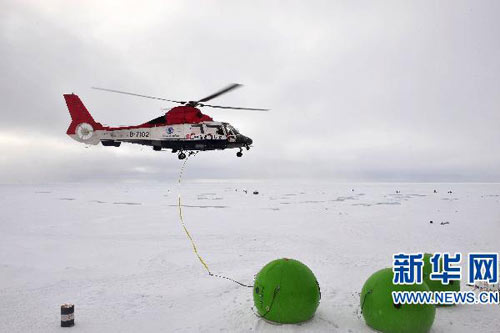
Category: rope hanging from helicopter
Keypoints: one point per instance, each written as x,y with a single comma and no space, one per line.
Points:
188,234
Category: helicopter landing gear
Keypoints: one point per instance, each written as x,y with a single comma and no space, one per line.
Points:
247,147
240,153
182,155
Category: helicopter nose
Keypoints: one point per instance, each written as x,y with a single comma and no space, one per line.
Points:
244,140
248,141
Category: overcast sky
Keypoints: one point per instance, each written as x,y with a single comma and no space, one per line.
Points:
359,90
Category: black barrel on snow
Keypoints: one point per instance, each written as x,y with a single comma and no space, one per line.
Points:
67,315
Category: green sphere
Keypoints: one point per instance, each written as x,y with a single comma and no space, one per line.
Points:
436,285
286,291
383,315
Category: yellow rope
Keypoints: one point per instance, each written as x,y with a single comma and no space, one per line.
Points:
182,219
191,238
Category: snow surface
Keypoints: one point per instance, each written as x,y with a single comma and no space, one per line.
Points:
119,253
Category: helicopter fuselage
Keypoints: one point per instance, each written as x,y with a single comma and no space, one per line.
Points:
208,135
183,128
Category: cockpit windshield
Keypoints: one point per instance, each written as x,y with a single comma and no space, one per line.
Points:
231,130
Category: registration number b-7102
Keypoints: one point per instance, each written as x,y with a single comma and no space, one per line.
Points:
139,134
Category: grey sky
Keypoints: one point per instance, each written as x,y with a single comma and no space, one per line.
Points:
359,90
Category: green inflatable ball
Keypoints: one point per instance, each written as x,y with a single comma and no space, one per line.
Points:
286,291
436,285
383,315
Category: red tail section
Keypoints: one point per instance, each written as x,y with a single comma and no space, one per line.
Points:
79,113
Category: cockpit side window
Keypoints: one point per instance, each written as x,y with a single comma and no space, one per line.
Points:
231,130
220,130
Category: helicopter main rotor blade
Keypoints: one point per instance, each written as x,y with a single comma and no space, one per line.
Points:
190,103
138,95
220,92
232,107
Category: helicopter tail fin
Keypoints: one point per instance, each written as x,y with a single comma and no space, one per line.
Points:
83,126
79,114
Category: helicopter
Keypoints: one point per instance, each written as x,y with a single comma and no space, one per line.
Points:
183,129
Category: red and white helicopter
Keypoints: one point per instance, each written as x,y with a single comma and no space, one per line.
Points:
183,128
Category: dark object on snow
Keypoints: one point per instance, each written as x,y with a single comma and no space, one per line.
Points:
255,192
450,192
245,191
67,315
398,192
431,222
435,191
443,223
